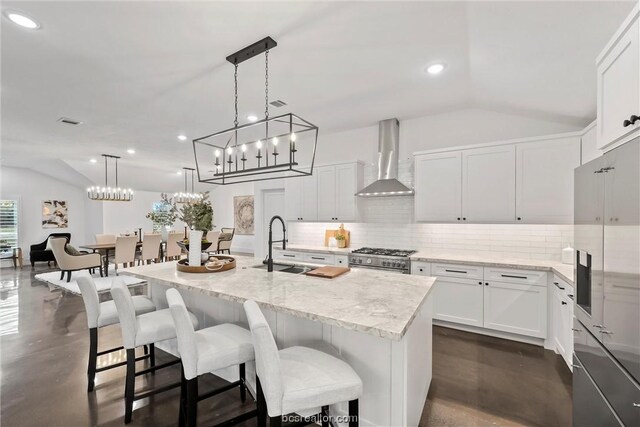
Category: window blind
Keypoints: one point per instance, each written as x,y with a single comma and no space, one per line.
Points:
8,224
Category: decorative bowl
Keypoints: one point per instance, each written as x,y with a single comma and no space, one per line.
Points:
204,247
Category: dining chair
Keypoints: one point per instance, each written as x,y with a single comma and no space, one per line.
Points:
173,250
105,239
150,248
224,242
125,252
68,263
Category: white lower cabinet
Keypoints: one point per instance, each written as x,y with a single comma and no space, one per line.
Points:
459,301
507,300
515,308
562,319
421,268
341,261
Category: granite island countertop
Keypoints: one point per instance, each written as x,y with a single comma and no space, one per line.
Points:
375,302
565,271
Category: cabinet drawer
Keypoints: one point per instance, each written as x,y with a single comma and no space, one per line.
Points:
565,288
341,260
421,268
316,258
525,277
457,270
288,255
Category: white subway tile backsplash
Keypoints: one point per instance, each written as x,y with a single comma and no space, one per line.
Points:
390,229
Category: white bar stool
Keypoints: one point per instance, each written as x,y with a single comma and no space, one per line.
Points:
298,378
99,315
204,351
141,330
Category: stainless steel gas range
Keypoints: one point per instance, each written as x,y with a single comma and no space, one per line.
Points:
382,259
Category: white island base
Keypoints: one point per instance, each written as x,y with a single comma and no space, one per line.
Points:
396,374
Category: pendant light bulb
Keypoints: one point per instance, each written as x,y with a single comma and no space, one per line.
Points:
293,136
230,150
244,148
275,141
259,144
217,153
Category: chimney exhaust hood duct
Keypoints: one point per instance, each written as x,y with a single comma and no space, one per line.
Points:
387,183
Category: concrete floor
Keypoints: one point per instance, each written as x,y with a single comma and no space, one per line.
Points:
478,381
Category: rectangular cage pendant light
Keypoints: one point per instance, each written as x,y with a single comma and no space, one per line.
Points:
272,148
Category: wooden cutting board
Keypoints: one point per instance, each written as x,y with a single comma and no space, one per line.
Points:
327,272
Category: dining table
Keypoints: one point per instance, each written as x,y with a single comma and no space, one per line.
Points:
106,248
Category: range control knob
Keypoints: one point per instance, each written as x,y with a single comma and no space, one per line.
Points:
384,263
403,264
359,260
368,260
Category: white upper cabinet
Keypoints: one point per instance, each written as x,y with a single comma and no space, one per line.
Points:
293,199
301,198
438,186
619,84
327,195
488,184
309,208
544,180
348,177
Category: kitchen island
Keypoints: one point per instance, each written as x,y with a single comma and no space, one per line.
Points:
379,323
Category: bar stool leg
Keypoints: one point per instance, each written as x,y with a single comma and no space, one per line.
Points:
275,421
354,417
192,402
324,414
243,387
129,385
152,355
262,405
183,397
93,356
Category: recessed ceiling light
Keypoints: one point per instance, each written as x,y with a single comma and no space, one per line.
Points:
93,160
435,69
182,137
131,151
22,20
179,173
252,118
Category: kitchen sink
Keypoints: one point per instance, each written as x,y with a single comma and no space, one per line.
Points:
285,268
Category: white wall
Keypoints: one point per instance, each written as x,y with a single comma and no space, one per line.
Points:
31,188
464,127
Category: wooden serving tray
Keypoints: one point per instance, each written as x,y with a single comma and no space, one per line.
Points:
328,272
183,265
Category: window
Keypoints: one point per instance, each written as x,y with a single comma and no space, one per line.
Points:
8,225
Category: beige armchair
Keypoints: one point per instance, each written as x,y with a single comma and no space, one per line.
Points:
173,250
150,249
225,239
105,239
125,251
69,263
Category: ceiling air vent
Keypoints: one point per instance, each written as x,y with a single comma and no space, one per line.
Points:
278,103
69,121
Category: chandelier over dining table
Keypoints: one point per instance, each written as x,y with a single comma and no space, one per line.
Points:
187,196
277,147
107,193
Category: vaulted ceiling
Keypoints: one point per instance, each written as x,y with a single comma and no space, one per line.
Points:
137,74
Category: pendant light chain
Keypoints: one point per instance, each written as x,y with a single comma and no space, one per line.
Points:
235,77
266,84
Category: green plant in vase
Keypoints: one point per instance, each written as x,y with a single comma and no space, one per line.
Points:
198,215
341,240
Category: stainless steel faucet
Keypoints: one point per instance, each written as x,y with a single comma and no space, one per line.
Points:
271,242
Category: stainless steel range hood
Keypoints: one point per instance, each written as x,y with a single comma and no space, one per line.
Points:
387,183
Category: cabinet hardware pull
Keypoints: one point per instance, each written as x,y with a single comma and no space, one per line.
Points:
458,219
632,120
576,330
637,405
317,257
290,256
570,297
519,219
479,283
564,303
558,286
577,366
455,271
514,277
486,284
464,219
606,332
599,326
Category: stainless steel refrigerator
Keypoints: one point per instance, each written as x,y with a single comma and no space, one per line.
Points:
606,374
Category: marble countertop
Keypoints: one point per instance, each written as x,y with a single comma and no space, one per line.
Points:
375,302
564,271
